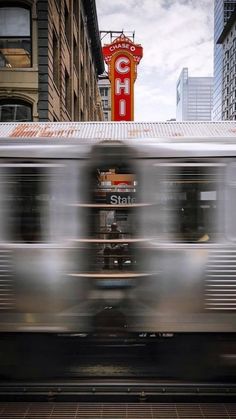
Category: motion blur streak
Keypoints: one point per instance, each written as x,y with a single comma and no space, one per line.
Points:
118,237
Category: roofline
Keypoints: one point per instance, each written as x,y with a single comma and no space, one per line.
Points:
227,27
95,131
93,29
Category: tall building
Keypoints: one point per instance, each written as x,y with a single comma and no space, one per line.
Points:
227,40
194,97
50,59
222,12
105,92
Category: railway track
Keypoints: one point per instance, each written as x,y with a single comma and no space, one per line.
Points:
116,390
69,377
117,411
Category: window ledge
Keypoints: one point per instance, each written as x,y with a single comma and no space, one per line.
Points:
13,69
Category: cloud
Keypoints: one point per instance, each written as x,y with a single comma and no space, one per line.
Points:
174,34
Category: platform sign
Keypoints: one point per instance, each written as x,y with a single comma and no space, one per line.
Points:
120,198
122,57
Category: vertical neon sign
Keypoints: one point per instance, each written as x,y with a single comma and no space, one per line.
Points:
122,57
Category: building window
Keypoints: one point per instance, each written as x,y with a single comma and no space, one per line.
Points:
104,91
82,33
67,24
67,92
178,92
105,116
76,10
105,103
76,55
82,77
15,37
56,73
58,2
76,108
15,111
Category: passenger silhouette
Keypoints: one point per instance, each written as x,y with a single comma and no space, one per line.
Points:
113,249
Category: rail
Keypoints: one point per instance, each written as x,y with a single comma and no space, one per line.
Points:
119,390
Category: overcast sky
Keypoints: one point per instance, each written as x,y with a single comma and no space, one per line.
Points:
174,34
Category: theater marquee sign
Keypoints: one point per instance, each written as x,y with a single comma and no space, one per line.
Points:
122,57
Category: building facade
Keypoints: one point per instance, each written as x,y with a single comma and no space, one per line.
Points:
194,97
105,92
50,59
222,12
227,41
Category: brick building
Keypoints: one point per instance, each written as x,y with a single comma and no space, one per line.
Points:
228,41
50,59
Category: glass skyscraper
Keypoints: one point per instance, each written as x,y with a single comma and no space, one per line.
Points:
222,13
194,97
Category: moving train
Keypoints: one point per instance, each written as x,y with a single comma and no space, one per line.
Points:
118,227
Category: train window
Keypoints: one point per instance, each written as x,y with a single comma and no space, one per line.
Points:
113,218
27,198
116,192
231,201
191,201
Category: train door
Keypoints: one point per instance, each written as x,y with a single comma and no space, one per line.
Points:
113,231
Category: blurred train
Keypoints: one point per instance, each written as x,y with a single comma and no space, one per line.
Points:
170,191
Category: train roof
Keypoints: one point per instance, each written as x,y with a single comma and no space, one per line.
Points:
146,139
94,132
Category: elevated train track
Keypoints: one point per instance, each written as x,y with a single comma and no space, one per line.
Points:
94,391
123,400
117,411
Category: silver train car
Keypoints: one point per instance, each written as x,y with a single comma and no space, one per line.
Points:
125,227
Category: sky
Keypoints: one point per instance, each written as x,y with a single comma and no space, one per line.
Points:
174,34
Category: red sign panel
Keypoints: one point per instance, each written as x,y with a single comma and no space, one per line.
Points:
122,57
123,44
122,70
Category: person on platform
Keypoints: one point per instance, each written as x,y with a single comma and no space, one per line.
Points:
114,248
